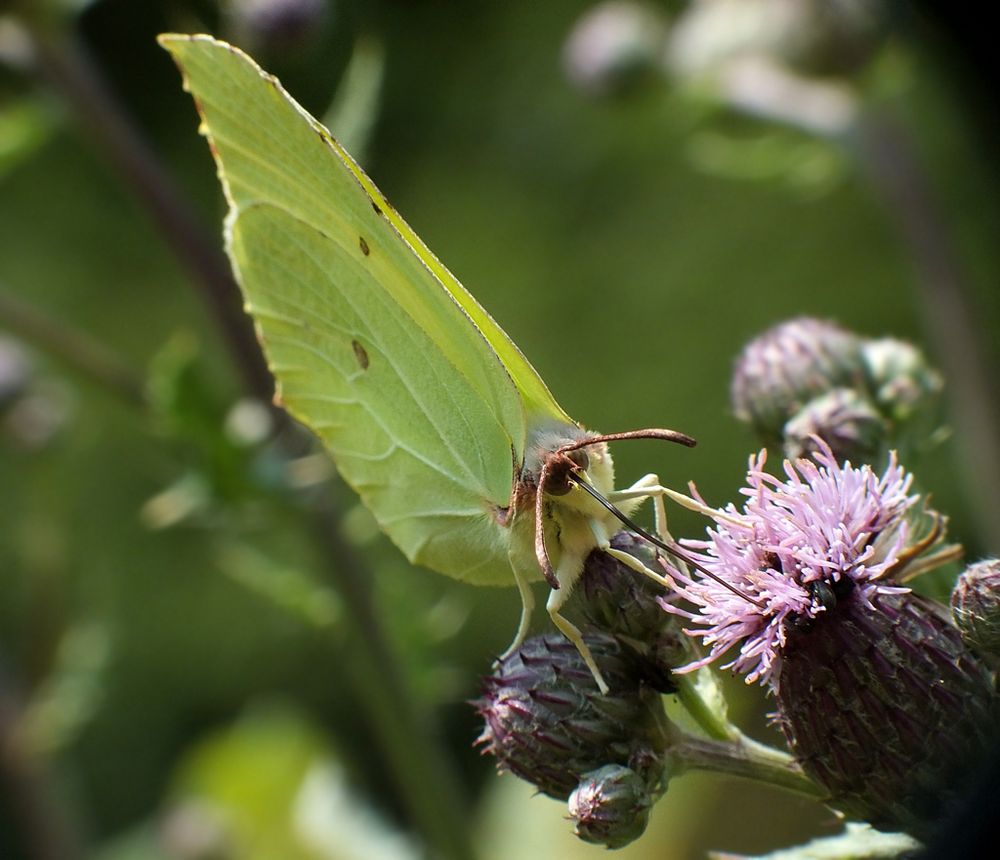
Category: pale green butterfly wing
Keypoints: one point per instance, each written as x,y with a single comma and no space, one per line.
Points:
420,396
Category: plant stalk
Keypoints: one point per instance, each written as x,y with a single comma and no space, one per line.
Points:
74,348
887,155
748,761
41,829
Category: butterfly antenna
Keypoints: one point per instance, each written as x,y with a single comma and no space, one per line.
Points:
672,548
648,433
541,550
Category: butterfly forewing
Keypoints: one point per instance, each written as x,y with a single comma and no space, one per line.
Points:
370,349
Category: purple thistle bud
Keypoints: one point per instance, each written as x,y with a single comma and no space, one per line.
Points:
844,420
975,606
887,708
878,697
788,365
611,806
615,599
547,722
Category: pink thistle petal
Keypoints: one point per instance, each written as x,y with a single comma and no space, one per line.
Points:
825,523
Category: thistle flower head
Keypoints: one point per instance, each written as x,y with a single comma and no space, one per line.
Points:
901,379
613,598
547,722
781,561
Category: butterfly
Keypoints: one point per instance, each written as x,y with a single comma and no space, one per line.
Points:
430,411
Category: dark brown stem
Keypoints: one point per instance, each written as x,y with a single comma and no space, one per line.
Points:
41,831
894,169
72,347
68,70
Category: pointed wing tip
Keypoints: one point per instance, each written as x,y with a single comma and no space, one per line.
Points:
175,43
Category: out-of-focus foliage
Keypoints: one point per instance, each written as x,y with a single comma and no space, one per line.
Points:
159,566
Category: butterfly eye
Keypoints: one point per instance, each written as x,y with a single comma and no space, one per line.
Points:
580,459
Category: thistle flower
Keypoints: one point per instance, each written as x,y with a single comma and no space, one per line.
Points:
878,697
902,381
781,561
277,25
547,722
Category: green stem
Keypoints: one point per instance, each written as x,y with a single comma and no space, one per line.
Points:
72,347
711,722
746,760
718,728
420,764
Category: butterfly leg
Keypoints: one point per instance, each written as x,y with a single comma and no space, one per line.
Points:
649,487
527,607
567,572
646,487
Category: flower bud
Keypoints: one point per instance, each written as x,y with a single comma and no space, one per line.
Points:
903,383
784,368
547,722
810,37
842,418
611,806
975,606
614,47
618,600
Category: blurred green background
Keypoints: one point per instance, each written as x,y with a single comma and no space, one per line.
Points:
178,677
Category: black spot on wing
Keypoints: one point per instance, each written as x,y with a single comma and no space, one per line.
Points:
360,354
364,246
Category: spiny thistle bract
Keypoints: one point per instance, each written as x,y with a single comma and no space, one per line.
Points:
878,697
